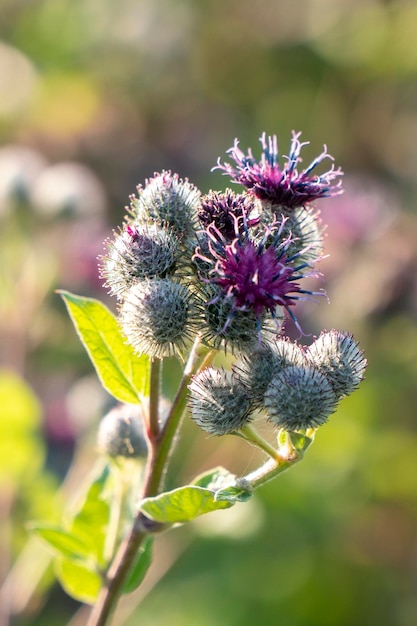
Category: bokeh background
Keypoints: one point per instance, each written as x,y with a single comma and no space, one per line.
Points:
94,97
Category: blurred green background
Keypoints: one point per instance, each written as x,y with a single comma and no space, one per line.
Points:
94,97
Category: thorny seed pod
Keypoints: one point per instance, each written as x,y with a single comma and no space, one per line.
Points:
301,226
168,201
121,432
219,402
158,317
287,353
139,251
257,368
299,397
339,357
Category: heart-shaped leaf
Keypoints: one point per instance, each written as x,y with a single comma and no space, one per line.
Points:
122,373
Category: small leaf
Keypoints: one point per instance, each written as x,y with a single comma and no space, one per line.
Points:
79,580
182,505
61,541
282,438
89,523
299,441
215,479
232,494
140,567
122,373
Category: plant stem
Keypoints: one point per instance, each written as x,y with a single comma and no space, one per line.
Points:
160,449
268,471
154,389
167,439
252,436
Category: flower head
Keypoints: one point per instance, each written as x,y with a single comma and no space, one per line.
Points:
282,185
255,276
139,251
169,201
220,403
257,368
227,327
157,317
222,209
299,397
337,355
121,432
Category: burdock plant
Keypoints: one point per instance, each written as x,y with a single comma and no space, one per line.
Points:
193,276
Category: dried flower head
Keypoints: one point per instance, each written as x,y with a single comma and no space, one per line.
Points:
168,201
339,357
139,251
158,317
281,185
299,397
219,402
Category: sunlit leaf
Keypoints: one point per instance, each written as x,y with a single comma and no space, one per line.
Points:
232,494
182,505
222,482
79,580
299,441
61,541
122,372
215,478
140,567
89,524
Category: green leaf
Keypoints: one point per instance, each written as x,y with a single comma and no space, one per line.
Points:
140,567
80,581
222,482
215,479
182,505
61,541
81,545
122,373
90,521
232,494
300,441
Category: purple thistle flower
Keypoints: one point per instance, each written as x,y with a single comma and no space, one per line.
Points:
283,186
256,277
223,208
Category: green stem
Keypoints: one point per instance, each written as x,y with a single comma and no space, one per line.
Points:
154,390
160,450
167,436
268,471
253,437
287,455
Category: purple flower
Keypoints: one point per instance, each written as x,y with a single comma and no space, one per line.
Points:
283,186
255,276
223,208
